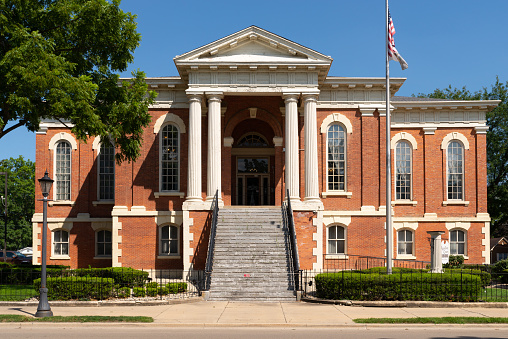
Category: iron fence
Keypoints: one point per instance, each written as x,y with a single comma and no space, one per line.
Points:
22,284
364,278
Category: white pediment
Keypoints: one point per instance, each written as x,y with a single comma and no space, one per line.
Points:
250,48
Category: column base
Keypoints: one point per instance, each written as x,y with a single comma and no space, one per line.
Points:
196,205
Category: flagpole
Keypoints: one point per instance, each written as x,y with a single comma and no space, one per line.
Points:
389,229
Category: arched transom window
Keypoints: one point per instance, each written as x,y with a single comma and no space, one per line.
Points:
252,140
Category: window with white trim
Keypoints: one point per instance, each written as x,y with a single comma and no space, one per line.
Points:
63,157
403,170
60,242
336,240
457,242
405,242
170,158
103,243
455,171
336,158
168,243
106,160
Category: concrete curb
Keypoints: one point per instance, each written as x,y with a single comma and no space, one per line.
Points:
408,304
99,303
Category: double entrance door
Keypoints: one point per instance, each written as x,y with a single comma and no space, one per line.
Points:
252,181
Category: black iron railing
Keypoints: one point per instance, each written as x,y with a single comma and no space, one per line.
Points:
289,224
211,241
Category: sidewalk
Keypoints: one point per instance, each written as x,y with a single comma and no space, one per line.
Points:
223,313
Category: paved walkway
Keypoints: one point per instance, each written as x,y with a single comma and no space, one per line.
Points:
206,313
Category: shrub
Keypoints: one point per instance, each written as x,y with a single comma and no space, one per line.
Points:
455,261
175,288
138,292
403,286
123,292
151,291
163,291
124,276
77,287
484,276
152,284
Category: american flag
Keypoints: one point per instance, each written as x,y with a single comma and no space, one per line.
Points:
393,54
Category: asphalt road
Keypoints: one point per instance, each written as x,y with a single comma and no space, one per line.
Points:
97,330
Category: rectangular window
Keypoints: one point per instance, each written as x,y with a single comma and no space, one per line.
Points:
60,242
104,244
405,242
107,172
336,240
169,240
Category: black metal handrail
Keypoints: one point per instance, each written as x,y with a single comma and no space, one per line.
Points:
288,218
211,240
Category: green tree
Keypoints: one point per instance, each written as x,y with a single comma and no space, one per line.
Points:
497,148
58,60
20,201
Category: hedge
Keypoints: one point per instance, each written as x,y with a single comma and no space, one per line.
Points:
403,286
77,287
123,276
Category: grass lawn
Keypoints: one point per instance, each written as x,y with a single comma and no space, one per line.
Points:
5,318
436,320
17,292
494,294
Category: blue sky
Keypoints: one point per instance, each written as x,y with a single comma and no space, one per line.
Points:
462,43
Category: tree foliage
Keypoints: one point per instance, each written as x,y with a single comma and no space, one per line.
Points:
20,201
497,147
58,60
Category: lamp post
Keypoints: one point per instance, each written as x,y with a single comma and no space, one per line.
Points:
44,310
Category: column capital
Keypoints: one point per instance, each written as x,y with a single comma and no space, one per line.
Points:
214,96
290,97
195,96
310,96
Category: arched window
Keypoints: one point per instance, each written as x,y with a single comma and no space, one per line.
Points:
63,170
336,158
457,242
106,168
405,242
170,158
252,140
60,242
336,240
403,169
103,243
455,169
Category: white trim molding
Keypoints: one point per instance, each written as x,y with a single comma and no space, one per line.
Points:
454,136
336,117
62,136
404,136
169,118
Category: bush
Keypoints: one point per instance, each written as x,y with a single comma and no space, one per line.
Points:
175,288
152,284
151,291
484,276
163,291
77,287
123,292
455,261
402,286
138,292
124,276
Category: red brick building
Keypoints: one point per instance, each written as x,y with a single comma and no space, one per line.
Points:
254,114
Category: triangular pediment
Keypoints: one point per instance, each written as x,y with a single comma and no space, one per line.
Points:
252,47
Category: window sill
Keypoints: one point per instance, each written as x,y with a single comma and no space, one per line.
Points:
404,202
172,256
60,257
168,194
103,257
336,256
406,257
103,202
337,194
61,203
455,202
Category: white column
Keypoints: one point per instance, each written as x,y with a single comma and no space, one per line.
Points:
292,159
311,152
194,161
214,172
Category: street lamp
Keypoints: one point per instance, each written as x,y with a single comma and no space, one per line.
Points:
44,310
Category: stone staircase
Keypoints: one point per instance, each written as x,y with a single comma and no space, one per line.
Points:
250,259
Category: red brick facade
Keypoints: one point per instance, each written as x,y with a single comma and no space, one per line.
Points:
139,209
